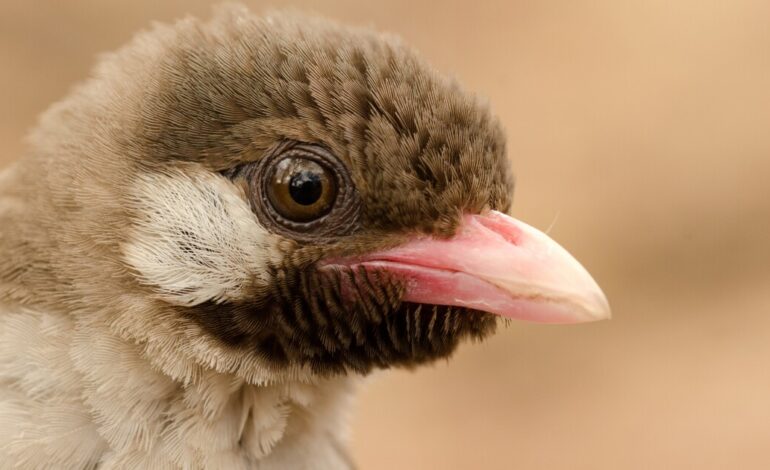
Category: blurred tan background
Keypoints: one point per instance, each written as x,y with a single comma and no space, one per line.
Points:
640,131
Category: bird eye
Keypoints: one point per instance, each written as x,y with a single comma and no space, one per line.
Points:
301,189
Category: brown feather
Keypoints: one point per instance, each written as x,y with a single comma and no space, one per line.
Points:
127,224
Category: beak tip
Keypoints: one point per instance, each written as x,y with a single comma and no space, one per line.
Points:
600,308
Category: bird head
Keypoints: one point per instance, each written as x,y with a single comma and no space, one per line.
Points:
283,197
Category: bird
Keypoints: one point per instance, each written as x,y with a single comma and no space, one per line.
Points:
214,237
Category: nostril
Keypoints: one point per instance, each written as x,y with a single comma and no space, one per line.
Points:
499,223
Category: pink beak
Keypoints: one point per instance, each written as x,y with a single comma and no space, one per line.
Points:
496,264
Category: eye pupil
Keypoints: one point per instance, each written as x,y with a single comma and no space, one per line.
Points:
305,187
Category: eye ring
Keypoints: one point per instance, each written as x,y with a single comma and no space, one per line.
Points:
341,215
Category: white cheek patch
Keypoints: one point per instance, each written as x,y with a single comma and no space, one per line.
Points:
195,238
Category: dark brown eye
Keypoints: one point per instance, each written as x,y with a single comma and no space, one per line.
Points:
301,189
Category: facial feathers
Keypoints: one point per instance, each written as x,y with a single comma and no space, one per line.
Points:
229,219
135,198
